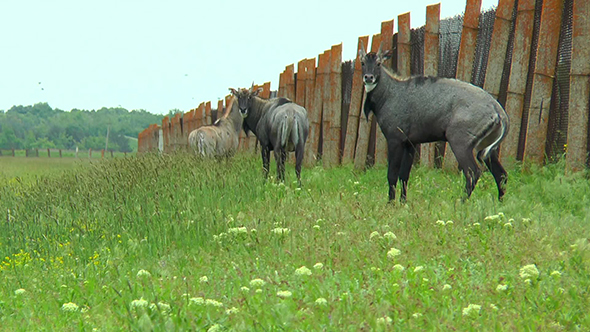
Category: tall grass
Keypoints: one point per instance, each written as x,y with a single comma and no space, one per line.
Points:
174,243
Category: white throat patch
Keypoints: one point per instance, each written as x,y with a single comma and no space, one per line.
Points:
370,86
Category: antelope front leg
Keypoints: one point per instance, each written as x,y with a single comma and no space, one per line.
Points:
394,160
265,150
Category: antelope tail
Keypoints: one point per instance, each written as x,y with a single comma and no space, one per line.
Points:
295,132
201,143
485,153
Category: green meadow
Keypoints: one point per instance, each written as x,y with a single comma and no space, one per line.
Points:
175,243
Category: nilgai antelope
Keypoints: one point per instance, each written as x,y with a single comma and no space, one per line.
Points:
220,139
427,109
279,124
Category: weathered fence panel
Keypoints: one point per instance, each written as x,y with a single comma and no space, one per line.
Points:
310,157
352,126
465,60
523,34
577,131
431,59
543,81
386,44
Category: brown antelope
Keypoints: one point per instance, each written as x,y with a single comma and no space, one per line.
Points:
220,139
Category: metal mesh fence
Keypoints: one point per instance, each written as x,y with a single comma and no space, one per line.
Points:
417,51
482,47
450,39
558,113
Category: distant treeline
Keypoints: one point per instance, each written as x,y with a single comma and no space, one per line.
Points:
40,126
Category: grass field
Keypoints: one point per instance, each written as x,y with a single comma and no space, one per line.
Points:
175,243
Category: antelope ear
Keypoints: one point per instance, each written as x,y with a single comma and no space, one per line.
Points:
362,51
257,91
387,55
233,91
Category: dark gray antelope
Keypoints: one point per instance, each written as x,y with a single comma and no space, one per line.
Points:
427,109
220,139
279,124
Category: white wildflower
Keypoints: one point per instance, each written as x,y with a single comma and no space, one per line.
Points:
393,252
257,282
143,273
390,236
417,315
232,310
398,267
374,234
20,291
303,271
284,294
213,303
245,289
440,222
556,274
281,231
446,287
321,301
385,320
471,310
70,307
204,279
196,301
529,271
318,266
418,268
139,304
501,287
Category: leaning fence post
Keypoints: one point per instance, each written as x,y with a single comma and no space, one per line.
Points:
333,152
523,35
431,59
316,110
577,131
543,81
386,42
465,60
498,47
352,126
310,154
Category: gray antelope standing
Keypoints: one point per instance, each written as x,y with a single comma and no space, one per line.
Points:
427,109
220,139
279,124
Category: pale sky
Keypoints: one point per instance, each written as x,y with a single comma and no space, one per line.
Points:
161,55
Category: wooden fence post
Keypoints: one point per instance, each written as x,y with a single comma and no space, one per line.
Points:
26,152
219,112
13,154
102,154
300,86
207,113
36,152
352,126
465,61
577,131
166,133
332,150
543,81
60,153
89,153
310,153
326,109
523,35
431,59
290,82
386,42
317,107
498,47
48,153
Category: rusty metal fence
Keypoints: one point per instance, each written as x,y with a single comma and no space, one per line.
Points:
532,55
